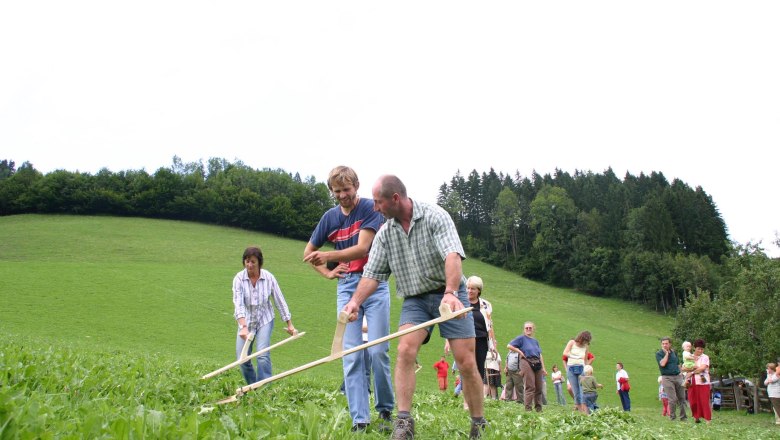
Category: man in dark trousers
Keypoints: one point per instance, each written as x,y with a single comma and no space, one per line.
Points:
669,364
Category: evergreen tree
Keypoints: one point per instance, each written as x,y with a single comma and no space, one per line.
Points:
507,217
7,168
553,216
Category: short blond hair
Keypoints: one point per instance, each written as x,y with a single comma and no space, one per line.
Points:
475,281
588,370
343,175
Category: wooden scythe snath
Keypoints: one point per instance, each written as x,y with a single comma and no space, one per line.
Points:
444,310
338,338
245,357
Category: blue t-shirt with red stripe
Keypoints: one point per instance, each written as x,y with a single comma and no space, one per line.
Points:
343,230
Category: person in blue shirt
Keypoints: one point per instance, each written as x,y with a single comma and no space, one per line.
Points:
351,227
531,366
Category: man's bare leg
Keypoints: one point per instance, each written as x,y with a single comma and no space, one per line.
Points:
463,349
405,379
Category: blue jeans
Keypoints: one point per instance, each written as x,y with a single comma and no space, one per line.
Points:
590,401
625,400
261,341
573,373
559,393
376,308
367,364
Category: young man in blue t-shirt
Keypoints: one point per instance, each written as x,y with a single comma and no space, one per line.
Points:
351,227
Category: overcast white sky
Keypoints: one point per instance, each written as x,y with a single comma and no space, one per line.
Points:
420,89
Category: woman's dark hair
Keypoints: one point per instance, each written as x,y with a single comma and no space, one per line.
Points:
253,252
583,338
699,343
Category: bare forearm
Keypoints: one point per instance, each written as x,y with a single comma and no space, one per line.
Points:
359,250
348,254
314,256
664,360
321,269
453,272
365,288
516,350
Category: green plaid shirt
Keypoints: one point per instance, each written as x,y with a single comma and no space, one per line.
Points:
416,259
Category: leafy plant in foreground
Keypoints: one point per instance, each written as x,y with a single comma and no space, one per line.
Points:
60,393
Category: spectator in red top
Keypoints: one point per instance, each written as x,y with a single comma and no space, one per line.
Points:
442,368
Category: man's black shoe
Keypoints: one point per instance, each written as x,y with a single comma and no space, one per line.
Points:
359,427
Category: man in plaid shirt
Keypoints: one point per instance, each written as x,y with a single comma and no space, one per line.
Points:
420,246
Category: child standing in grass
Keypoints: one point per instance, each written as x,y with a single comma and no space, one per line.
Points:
456,374
663,397
557,378
589,386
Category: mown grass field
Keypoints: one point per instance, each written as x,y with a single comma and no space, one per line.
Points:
134,311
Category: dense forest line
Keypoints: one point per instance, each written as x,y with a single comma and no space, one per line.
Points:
639,238
219,192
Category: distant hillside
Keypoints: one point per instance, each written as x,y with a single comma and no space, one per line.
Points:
163,287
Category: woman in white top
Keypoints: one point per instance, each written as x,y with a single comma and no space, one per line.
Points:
485,339
772,383
557,378
255,291
576,352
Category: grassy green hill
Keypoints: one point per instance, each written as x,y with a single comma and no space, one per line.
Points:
106,325
163,287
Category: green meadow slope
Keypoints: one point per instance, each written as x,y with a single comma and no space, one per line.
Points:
162,288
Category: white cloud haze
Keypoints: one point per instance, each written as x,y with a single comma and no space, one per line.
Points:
417,89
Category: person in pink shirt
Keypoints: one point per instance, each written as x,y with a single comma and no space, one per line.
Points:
699,391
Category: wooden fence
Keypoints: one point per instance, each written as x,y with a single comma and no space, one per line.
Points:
741,396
